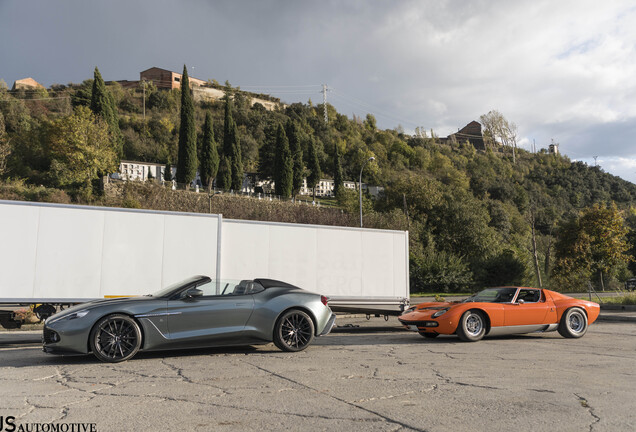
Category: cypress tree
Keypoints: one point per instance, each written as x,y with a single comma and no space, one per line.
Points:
283,165
231,147
187,162
103,105
209,153
237,162
314,167
338,183
296,150
224,175
167,172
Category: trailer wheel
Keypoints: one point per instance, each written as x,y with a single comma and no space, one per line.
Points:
44,311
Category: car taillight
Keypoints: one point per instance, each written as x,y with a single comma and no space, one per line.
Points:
324,300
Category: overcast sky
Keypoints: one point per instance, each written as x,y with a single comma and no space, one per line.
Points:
562,70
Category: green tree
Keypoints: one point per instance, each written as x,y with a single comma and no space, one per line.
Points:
591,244
338,181
231,148
439,271
293,135
283,175
224,175
209,153
5,148
167,173
187,158
103,105
314,167
79,150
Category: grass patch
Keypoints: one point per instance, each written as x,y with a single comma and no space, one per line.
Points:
627,299
621,300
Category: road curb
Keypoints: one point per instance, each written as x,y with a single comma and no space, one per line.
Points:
617,318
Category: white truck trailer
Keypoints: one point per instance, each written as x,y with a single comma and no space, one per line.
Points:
53,255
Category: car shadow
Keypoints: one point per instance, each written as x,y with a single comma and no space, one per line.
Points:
28,353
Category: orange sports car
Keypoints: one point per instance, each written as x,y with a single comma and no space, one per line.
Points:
500,311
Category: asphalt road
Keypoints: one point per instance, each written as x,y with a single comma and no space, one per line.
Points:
372,377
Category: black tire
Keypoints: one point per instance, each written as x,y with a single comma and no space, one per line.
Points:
115,338
294,331
573,323
429,335
472,326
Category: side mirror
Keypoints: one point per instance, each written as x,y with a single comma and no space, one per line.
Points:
521,301
192,293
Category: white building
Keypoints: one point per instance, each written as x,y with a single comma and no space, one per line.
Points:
133,170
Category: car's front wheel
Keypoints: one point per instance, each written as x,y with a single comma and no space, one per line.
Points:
573,323
294,331
472,326
115,338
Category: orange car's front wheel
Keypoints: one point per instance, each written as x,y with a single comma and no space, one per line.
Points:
472,326
573,323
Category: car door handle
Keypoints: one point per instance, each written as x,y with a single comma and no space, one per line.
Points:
242,304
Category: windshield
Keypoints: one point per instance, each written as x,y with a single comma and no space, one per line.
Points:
493,295
208,287
173,287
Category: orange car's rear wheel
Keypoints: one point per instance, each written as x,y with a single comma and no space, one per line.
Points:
472,326
573,323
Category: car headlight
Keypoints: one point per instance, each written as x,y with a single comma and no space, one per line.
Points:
77,314
440,313
409,310
55,318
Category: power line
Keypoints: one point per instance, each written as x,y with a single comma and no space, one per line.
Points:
375,110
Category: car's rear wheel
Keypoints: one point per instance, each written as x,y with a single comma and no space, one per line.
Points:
472,326
573,323
115,338
429,335
294,331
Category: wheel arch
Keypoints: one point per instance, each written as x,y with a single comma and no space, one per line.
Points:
483,312
300,308
141,329
563,309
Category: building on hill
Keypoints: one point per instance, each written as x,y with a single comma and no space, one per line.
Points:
553,148
26,84
201,90
165,79
471,133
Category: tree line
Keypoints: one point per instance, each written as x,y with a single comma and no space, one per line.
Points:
503,216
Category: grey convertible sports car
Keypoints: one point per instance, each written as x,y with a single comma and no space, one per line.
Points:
197,312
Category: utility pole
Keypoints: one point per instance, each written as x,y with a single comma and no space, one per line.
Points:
324,102
595,157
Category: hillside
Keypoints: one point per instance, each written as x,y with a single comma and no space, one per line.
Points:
470,213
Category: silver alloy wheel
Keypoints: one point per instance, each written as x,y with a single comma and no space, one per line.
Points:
576,322
116,338
474,324
573,323
296,331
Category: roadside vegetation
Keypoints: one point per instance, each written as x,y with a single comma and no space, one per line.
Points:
503,216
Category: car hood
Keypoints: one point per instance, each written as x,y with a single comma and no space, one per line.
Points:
101,302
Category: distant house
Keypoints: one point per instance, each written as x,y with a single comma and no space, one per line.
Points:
26,84
165,79
133,170
471,133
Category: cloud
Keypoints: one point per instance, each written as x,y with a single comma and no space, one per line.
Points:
560,70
